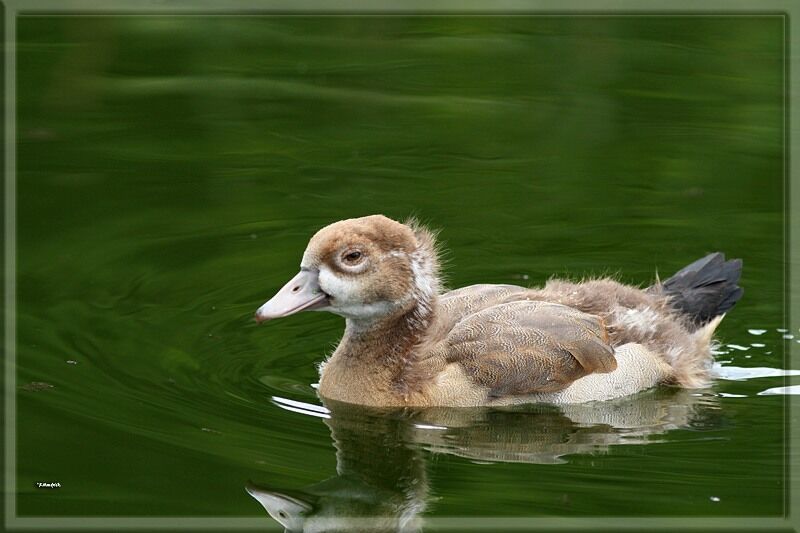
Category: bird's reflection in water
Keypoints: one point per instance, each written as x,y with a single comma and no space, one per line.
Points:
381,482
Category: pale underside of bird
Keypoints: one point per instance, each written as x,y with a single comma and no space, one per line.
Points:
407,342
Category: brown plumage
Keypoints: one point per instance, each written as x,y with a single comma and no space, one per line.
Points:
408,343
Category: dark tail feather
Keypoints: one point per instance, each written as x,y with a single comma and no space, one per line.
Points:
706,288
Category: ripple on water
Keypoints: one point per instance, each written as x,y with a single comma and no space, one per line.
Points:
736,373
789,391
282,385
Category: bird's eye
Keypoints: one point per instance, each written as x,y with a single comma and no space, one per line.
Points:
352,257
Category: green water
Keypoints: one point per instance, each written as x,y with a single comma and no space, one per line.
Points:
171,170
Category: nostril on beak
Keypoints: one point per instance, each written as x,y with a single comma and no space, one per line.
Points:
296,289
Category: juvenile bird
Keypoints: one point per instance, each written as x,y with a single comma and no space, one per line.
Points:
409,343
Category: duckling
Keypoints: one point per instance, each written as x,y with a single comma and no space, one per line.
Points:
407,342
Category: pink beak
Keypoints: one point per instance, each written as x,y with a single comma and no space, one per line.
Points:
302,293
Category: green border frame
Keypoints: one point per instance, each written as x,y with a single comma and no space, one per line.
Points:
786,9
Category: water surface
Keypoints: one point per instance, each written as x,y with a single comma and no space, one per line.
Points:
171,170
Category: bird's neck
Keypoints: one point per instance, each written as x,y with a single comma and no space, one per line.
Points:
375,358
389,337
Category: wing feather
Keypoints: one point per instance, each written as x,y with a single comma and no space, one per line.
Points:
524,347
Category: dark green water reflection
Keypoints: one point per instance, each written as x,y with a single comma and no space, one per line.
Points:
171,170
